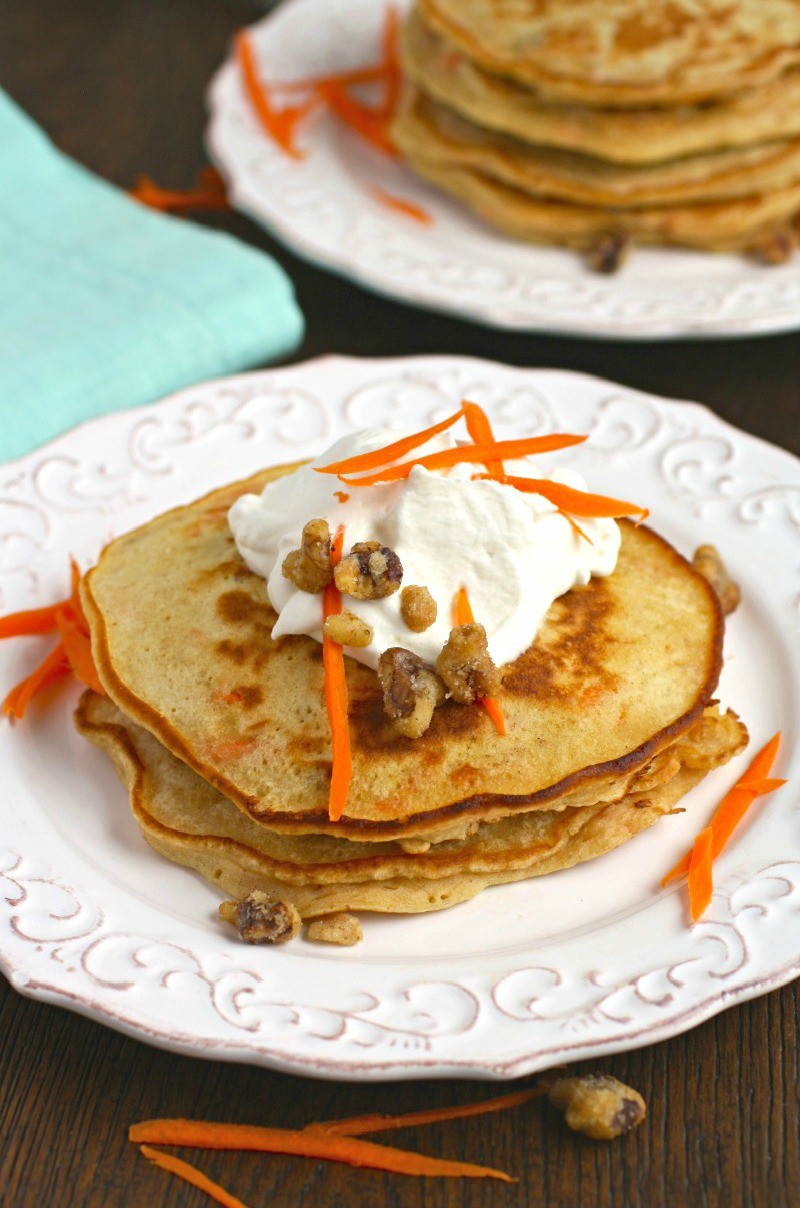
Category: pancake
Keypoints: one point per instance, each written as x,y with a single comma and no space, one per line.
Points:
623,53
424,129
181,635
186,820
766,113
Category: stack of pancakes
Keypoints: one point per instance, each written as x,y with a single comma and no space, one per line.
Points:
222,737
652,121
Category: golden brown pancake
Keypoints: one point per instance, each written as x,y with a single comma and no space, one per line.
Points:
655,135
181,634
625,52
189,822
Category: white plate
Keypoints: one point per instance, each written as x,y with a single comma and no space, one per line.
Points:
588,961
325,209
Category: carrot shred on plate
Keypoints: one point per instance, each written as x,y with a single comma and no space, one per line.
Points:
469,454
403,206
389,453
208,194
53,668
463,615
307,1143
336,696
356,1126
280,124
78,650
729,813
190,1174
368,122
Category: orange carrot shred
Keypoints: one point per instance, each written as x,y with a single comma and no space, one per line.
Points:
356,1126
305,1143
579,503
368,122
403,206
190,1174
463,615
279,124
391,63
389,453
31,621
480,429
469,454
700,878
207,194
735,804
53,668
79,651
336,696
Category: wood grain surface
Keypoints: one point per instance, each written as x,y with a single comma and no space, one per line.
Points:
119,85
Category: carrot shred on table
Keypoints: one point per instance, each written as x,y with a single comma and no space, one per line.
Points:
190,1174
208,194
389,453
700,878
463,615
336,696
735,804
305,1143
280,124
53,668
403,206
480,429
356,1126
469,454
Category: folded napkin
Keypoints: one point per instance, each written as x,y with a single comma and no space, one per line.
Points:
105,304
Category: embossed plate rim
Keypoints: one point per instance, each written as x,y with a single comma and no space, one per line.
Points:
124,962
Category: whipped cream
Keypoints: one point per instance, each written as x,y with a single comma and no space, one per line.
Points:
513,552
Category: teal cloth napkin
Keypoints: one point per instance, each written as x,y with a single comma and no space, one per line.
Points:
105,304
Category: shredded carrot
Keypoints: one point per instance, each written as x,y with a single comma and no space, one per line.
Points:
356,1126
54,668
480,429
358,75
190,1174
469,454
463,615
207,194
403,206
366,121
382,457
579,503
31,621
700,879
735,803
281,125
78,649
336,696
391,63
305,1143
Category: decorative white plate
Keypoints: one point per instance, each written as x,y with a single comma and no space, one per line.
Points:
587,961
324,208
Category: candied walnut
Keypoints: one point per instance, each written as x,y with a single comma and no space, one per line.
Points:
707,562
309,567
348,630
260,920
466,666
369,572
343,929
609,252
417,608
776,246
411,690
598,1106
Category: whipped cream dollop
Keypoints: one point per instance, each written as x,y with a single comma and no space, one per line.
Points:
513,552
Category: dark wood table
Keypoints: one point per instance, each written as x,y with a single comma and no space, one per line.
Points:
120,87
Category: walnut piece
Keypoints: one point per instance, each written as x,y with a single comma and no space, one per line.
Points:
260,919
417,608
348,630
777,246
411,690
343,929
598,1106
466,666
369,572
707,562
609,252
309,567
